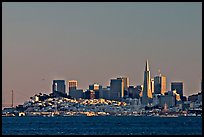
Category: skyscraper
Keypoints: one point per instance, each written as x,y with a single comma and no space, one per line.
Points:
125,82
104,93
117,89
139,90
95,87
147,93
131,92
78,93
178,86
159,84
169,99
59,86
152,85
72,85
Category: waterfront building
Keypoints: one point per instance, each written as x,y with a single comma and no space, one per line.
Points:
59,86
147,93
159,84
117,89
178,86
72,85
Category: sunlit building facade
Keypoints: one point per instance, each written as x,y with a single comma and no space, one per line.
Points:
178,86
72,85
159,84
147,93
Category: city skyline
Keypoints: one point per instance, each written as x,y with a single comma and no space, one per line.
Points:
94,42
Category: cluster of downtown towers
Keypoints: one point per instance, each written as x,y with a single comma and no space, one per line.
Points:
119,88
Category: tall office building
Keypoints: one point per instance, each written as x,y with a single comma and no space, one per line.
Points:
178,86
132,92
72,85
117,89
95,87
169,98
159,84
89,94
147,93
152,85
104,93
125,82
139,90
59,86
78,93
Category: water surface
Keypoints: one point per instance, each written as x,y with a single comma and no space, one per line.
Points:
101,125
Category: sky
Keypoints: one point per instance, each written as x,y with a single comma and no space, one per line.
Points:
95,42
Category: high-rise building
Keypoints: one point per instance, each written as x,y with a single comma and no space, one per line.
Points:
178,86
125,82
169,98
147,93
59,86
139,89
152,85
104,93
117,89
159,84
72,85
89,94
176,94
132,92
78,93
95,87
156,99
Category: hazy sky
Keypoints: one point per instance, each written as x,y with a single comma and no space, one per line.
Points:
94,42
